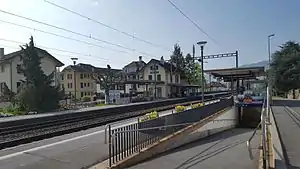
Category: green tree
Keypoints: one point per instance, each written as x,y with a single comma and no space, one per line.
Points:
107,79
7,93
37,92
285,68
178,59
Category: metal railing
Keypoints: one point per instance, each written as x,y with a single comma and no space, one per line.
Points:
126,140
264,121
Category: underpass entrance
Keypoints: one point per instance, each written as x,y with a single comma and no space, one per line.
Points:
248,86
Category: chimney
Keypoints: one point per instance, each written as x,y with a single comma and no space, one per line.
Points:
1,53
162,60
140,58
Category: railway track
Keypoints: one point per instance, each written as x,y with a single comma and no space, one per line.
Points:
24,133
295,116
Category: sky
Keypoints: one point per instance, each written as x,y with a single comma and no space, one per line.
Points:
233,25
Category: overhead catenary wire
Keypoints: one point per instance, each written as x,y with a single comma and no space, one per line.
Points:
107,26
56,49
194,23
62,36
73,32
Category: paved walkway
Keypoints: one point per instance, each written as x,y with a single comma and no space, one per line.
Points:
226,150
289,129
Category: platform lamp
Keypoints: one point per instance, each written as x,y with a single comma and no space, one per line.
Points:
201,44
74,63
269,79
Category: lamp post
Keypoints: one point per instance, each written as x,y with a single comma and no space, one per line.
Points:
201,44
269,47
74,63
269,79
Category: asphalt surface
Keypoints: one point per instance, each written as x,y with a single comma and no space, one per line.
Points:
75,150
225,150
288,123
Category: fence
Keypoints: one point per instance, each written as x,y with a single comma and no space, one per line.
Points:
125,141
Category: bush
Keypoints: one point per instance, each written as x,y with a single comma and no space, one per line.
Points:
11,110
193,106
149,116
86,99
179,108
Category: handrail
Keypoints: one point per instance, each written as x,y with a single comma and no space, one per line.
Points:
105,133
261,123
166,126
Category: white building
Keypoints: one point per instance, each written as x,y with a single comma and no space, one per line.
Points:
9,64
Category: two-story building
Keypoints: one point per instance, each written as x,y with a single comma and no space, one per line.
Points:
133,76
81,75
10,64
162,77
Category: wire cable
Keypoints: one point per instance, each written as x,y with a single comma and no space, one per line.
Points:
56,49
195,24
71,31
105,25
65,37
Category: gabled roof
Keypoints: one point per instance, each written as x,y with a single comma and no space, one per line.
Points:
39,50
82,67
163,64
136,64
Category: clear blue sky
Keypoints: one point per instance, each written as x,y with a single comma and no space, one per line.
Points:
235,25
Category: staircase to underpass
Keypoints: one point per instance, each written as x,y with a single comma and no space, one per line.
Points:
223,125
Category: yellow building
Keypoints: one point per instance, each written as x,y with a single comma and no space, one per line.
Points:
81,74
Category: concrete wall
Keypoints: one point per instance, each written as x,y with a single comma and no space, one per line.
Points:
191,133
209,128
278,156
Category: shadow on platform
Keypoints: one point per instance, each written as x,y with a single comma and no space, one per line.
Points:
290,103
220,137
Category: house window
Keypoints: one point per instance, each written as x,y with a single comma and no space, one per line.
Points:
156,68
88,75
81,76
88,84
69,76
62,86
2,86
70,85
84,75
176,79
19,68
81,94
151,67
81,85
62,76
84,84
149,77
158,77
133,77
2,68
18,84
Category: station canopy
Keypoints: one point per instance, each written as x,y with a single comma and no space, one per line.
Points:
234,74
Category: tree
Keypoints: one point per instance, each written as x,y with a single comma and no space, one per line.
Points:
36,92
285,68
107,80
7,94
178,59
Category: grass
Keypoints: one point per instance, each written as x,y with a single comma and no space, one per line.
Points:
100,104
10,110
